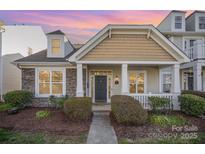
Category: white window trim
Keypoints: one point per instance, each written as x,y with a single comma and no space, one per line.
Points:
178,22
197,23
38,69
145,80
161,80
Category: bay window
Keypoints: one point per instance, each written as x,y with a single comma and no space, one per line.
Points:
50,81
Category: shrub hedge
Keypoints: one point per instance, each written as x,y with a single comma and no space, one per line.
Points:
126,110
19,98
198,93
158,103
192,104
78,108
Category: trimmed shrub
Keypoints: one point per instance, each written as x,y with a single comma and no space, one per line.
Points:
158,103
19,98
42,114
198,93
192,104
78,108
57,101
126,110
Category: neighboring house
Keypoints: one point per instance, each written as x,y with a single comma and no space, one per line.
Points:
11,74
132,60
188,33
18,39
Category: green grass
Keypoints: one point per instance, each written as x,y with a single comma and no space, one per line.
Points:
5,106
42,114
200,139
12,137
167,120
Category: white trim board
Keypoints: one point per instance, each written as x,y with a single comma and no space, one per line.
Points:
129,62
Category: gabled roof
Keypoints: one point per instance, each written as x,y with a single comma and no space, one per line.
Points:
173,11
58,32
197,11
77,55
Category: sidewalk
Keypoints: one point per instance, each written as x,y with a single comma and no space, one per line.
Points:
101,132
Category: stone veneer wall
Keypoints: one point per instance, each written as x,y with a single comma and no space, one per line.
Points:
71,81
28,79
28,83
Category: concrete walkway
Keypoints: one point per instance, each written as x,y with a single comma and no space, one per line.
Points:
101,132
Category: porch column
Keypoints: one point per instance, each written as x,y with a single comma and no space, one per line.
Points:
176,79
124,76
176,86
197,77
79,88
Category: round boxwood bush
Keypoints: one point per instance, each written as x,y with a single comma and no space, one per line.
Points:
19,98
126,110
192,104
78,108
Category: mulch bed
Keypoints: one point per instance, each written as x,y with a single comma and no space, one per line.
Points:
144,131
56,123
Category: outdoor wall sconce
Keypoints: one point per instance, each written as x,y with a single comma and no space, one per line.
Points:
117,80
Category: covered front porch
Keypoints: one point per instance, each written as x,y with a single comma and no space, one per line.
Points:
137,80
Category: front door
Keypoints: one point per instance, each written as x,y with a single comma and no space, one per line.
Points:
100,88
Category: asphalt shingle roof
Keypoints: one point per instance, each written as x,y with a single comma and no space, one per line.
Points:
56,32
42,57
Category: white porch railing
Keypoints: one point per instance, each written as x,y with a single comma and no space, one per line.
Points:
197,51
143,99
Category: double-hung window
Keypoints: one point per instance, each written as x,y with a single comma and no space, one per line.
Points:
166,82
55,46
50,81
137,82
178,22
201,22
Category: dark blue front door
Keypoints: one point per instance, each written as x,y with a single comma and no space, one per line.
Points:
100,88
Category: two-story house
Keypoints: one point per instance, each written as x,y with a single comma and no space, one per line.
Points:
188,34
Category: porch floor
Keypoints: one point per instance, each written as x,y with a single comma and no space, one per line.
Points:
101,107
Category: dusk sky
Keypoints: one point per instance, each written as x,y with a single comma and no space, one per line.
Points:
79,26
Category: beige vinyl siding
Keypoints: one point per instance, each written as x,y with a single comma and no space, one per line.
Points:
128,47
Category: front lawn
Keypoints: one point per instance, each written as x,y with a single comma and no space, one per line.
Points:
19,137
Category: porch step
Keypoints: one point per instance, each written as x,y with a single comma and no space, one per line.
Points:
101,108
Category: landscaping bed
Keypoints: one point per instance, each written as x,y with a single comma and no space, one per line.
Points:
55,122
155,133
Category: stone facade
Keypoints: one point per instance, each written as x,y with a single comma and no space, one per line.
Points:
28,83
71,79
28,79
